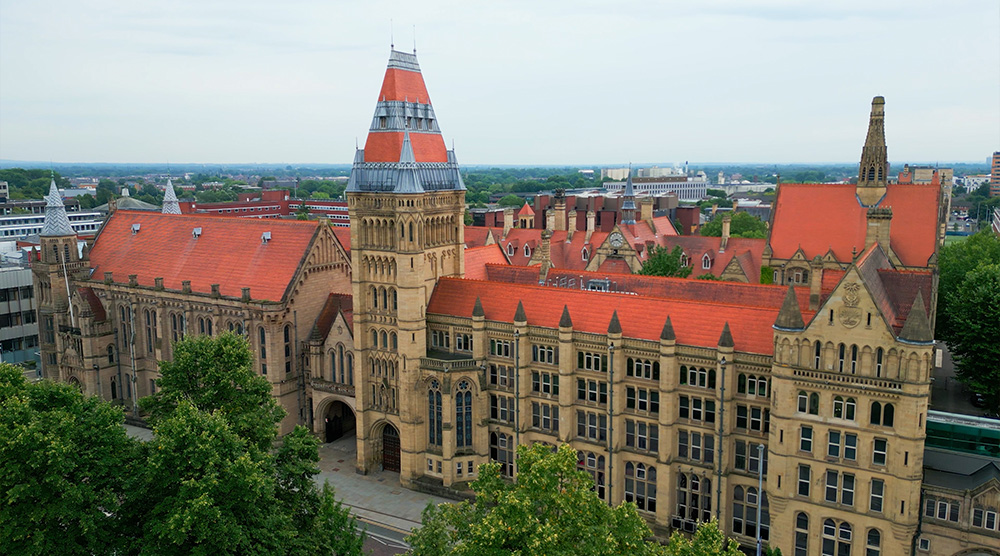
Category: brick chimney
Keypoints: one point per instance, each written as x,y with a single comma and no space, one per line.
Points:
726,221
508,221
591,217
646,210
559,205
571,225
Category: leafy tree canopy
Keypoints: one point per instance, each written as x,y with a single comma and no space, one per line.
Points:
955,260
65,458
216,374
742,224
974,325
664,262
511,201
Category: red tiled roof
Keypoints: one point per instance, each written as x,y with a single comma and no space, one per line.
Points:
335,304
95,304
696,323
385,146
749,250
400,84
476,236
229,251
477,258
614,266
513,274
526,210
343,235
821,217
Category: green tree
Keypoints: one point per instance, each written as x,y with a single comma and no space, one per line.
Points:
551,509
511,201
302,213
955,260
216,374
974,313
664,262
708,540
743,224
707,276
65,459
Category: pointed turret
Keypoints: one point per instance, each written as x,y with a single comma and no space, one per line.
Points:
404,152
668,332
614,327
873,171
56,221
519,315
477,309
726,339
628,200
917,328
790,316
170,204
565,321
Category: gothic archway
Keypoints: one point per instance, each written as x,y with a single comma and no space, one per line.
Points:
390,448
339,421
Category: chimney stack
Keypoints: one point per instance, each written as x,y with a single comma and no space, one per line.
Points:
591,216
571,225
560,211
508,221
726,220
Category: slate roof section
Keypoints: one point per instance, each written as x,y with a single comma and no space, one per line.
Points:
790,317
892,290
170,203
841,224
56,222
229,252
668,331
696,322
958,471
565,321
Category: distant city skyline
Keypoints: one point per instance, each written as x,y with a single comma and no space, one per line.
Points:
513,83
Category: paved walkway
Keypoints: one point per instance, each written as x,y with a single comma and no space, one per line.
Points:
376,497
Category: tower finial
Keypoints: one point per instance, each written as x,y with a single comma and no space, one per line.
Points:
414,40
392,42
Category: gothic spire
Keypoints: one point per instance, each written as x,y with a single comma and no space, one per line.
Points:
477,309
519,315
726,339
614,327
917,328
56,221
565,321
668,331
628,200
790,316
874,168
170,204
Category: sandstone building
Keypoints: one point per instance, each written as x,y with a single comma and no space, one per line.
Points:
677,394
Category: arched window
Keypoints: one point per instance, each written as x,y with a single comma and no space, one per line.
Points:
888,415
374,338
745,513
350,369
836,540
463,415
879,353
818,354
584,254
395,299
814,404
527,250
593,465
385,298
333,366
385,340
340,361
841,352
374,294
706,262
150,330
854,359
288,348
114,389
262,346
510,249
694,497
874,545
392,340
111,354
434,414
502,452
640,485
801,534
876,414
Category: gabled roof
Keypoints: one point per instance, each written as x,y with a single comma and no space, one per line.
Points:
696,323
229,251
336,304
477,258
343,235
747,251
526,210
819,217
893,290
96,307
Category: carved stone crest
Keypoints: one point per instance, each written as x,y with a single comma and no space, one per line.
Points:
850,315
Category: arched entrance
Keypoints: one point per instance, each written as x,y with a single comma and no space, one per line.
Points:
390,448
339,421
75,382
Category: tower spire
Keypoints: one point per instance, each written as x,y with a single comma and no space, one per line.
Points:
873,171
628,203
170,204
56,222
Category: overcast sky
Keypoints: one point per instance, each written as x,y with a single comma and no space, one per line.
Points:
573,82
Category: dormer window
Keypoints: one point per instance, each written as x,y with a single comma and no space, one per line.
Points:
408,120
685,260
706,262
527,251
584,254
381,122
510,249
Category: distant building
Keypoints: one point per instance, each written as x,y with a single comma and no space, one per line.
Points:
272,203
687,188
18,322
995,175
4,192
614,173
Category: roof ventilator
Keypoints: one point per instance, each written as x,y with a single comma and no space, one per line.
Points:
135,228
265,237
196,233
